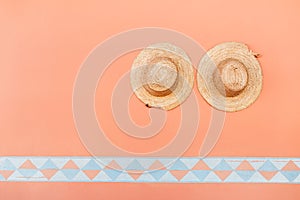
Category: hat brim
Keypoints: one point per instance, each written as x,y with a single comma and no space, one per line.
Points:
210,62
185,76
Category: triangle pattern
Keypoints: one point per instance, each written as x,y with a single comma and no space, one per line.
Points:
103,160
233,163
7,165
212,162
145,162
91,173
59,176
279,164
245,165
38,161
124,177
113,174
135,174
268,166
245,174
92,165
212,177
146,177
190,177
157,174
70,165
157,166
268,175
179,174
59,161
16,176
297,162
201,174
81,162
123,162
6,173
113,165
48,165
168,177
80,176
27,173
102,177
290,166
279,178
257,178
167,161
189,162
27,165
48,173
201,166
256,164
223,174
234,177
290,175
17,161
135,165
70,173
178,165
223,165
38,176
297,180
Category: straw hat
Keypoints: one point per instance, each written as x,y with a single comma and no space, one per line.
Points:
229,77
162,76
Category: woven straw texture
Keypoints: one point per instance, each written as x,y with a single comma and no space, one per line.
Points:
229,77
162,76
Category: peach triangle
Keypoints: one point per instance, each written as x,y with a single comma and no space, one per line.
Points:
290,166
135,174
6,173
70,165
268,174
91,173
113,165
157,166
201,166
28,165
223,174
179,174
245,165
48,173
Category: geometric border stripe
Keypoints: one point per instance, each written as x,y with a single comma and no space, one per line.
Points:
154,170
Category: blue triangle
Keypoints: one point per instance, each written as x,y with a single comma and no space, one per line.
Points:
7,165
28,172
223,165
49,165
113,174
290,175
201,174
2,178
135,165
70,173
245,174
178,165
91,165
157,174
268,166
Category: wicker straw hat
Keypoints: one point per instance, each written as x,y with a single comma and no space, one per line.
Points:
162,76
229,77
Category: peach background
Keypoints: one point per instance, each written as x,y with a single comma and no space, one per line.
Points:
44,43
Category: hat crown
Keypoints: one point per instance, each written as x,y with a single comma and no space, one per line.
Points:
233,76
161,74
